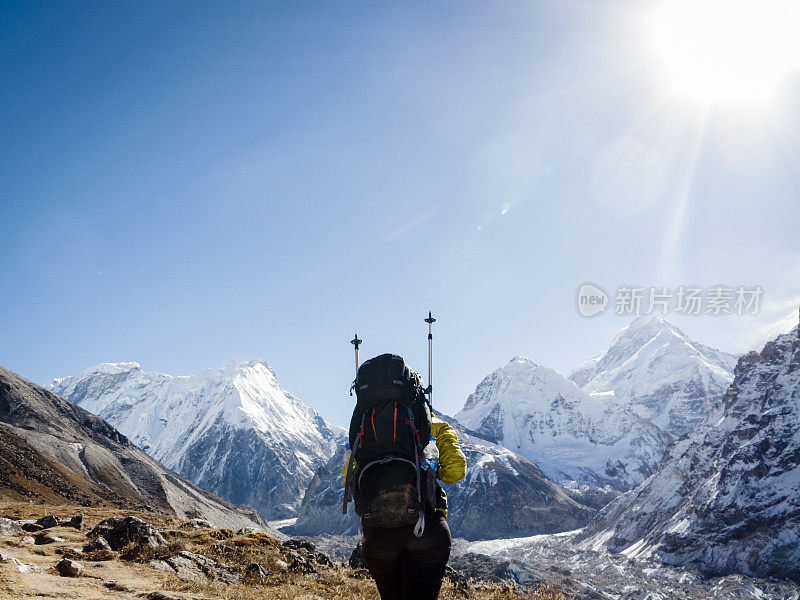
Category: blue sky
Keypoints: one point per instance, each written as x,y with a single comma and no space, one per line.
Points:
183,184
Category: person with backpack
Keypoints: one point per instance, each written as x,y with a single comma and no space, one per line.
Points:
398,452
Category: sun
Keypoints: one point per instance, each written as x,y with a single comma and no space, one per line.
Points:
736,51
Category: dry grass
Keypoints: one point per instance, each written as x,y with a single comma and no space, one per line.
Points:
339,585
136,579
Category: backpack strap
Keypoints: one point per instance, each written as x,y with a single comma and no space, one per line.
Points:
348,484
419,528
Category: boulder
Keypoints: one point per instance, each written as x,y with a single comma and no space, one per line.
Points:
196,524
45,537
104,526
192,567
246,530
31,527
27,541
47,522
98,543
357,560
9,527
130,530
69,568
75,522
299,544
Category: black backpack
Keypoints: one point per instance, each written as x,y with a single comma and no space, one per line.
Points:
391,425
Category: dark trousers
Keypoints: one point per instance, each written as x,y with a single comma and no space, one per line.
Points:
404,566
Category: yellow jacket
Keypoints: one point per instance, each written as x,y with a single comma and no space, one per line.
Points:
452,462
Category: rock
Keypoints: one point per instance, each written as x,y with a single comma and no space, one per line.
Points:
47,522
104,526
357,560
255,572
196,524
9,527
69,568
130,530
27,541
192,567
20,566
297,544
301,564
46,537
246,530
282,565
31,527
321,559
75,522
98,543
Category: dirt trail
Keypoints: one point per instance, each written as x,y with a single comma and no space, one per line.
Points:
33,574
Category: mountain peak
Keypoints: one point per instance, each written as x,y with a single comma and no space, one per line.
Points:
240,365
218,427
522,360
112,368
661,373
646,326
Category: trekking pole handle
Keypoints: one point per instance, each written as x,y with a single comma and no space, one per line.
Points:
356,342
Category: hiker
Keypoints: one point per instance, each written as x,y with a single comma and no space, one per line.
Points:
391,473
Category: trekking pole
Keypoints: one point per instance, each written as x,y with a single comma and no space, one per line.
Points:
430,321
355,341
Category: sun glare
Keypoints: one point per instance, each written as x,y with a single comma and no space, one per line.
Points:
735,51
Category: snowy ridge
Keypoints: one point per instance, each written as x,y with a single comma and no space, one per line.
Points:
232,430
571,435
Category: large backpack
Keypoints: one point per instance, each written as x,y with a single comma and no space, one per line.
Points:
391,425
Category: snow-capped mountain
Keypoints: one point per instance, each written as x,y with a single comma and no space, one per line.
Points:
233,431
663,375
53,451
502,495
727,496
571,435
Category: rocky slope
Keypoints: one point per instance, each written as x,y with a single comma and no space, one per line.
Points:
727,497
585,574
660,373
233,431
56,451
503,494
569,434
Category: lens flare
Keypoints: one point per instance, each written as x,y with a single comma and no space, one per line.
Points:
734,51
